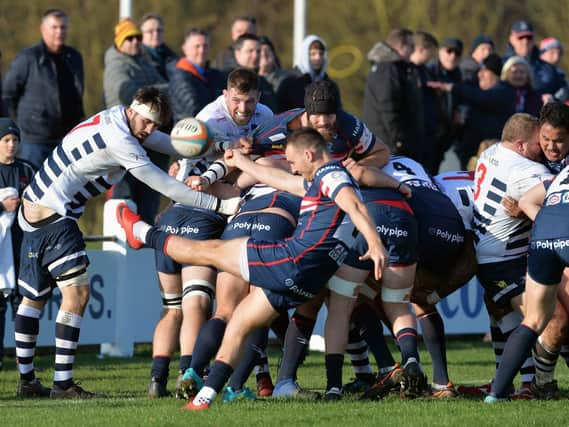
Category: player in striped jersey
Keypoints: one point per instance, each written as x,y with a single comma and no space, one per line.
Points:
90,159
542,307
510,167
288,272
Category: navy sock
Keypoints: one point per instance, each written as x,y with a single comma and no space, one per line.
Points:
334,365
207,344
218,376
371,330
515,353
407,340
185,362
254,347
296,345
156,239
434,338
160,367
280,325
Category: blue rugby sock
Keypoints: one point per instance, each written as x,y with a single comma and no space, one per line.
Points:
160,368
434,338
407,340
207,344
296,345
185,362
254,348
334,365
515,353
218,376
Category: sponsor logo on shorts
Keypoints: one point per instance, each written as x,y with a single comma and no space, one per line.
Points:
338,254
550,244
391,232
248,226
170,229
446,235
289,283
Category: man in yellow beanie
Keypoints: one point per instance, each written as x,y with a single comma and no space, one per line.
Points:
126,71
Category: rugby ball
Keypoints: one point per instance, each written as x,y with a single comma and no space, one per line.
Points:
190,137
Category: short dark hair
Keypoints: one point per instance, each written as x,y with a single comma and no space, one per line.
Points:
425,40
250,19
556,114
150,15
157,100
264,40
56,13
307,137
195,31
398,37
243,79
238,44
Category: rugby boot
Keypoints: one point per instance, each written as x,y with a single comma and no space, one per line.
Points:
290,389
33,388
547,391
157,390
127,218
73,392
265,386
201,404
190,384
384,384
333,394
230,395
414,382
523,393
359,384
492,399
475,390
179,392
446,391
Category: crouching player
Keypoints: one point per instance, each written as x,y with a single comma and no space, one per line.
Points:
397,228
287,272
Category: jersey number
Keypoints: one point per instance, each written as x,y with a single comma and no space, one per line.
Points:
401,167
482,171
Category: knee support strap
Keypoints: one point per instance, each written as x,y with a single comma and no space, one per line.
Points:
401,296
344,287
171,301
76,276
198,287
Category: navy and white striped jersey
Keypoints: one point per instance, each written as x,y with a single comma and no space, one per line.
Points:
91,158
502,172
409,172
457,185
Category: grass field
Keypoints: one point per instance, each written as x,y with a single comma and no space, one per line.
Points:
125,382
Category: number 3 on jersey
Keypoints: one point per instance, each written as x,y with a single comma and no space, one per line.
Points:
481,172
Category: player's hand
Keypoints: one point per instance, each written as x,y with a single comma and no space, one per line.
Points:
232,157
379,256
245,145
355,170
405,190
11,203
197,183
512,208
174,169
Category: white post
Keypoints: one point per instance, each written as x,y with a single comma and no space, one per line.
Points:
299,28
125,9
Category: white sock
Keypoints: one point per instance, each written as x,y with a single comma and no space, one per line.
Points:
206,395
140,229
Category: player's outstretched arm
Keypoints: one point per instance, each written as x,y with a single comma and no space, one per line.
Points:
349,202
158,180
373,177
273,177
532,200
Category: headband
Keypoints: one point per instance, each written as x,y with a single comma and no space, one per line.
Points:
145,111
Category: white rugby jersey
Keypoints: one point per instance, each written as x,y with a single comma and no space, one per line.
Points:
502,172
223,129
408,171
457,185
